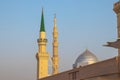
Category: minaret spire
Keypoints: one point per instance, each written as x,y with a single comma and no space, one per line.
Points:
55,58
55,24
42,26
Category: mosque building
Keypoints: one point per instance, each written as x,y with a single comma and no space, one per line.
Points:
86,66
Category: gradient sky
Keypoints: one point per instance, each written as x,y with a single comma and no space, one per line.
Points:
81,24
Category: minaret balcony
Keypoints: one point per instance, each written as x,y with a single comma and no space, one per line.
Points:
42,40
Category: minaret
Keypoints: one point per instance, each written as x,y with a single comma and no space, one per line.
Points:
42,55
117,11
55,57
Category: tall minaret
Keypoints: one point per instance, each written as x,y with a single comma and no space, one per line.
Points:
42,55
55,57
117,11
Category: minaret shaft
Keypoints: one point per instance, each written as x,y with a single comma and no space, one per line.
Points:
55,58
118,24
42,55
42,44
117,11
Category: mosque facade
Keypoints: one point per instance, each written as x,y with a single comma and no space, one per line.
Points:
86,66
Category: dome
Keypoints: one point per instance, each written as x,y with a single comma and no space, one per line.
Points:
85,58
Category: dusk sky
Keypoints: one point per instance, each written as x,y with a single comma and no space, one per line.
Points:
81,24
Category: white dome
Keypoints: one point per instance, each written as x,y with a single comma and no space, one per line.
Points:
84,59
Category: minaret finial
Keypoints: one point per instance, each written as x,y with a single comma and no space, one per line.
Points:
54,15
42,26
42,9
86,49
55,20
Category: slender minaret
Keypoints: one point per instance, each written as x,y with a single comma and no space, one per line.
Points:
55,57
42,55
117,11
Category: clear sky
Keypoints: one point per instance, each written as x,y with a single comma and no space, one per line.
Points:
81,24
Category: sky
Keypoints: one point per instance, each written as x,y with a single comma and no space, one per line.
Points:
81,24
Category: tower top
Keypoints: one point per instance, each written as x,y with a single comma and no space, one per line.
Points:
117,7
55,24
55,20
42,26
